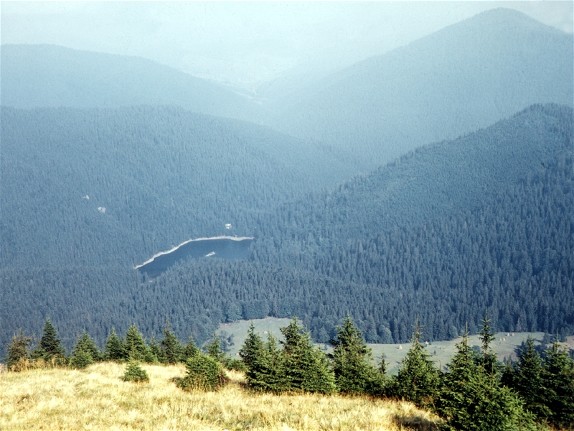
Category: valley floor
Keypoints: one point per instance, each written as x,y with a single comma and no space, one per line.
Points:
97,399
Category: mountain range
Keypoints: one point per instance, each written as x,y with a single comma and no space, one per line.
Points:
433,182
452,82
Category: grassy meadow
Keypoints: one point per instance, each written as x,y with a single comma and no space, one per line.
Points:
97,399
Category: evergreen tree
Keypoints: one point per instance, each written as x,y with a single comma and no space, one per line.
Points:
189,350
204,373
170,346
558,380
18,351
213,349
488,360
353,362
135,373
135,345
115,349
251,347
85,352
472,400
266,372
526,377
155,350
417,379
50,347
305,366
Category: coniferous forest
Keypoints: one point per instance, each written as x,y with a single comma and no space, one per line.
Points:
474,391
431,181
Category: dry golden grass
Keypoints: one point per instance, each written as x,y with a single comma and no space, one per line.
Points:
97,399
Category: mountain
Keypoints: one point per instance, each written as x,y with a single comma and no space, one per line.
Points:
481,224
445,234
451,231
54,76
447,84
102,186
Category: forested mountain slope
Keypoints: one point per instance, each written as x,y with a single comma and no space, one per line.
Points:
459,79
91,187
482,223
485,227
54,76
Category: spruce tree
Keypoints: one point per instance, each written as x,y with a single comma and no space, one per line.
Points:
135,373
526,377
85,352
135,345
305,366
488,360
251,347
470,399
115,349
189,350
417,379
170,347
353,362
558,379
213,349
18,352
204,373
266,372
50,347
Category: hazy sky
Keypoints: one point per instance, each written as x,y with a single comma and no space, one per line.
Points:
247,42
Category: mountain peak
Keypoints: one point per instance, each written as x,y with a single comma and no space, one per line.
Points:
506,18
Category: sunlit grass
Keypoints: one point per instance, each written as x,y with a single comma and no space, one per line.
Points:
97,399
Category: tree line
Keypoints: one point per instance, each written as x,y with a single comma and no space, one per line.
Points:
473,392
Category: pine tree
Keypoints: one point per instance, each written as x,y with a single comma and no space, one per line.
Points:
353,362
526,377
85,352
305,367
189,350
251,347
213,349
170,346
18,352
135,345
558,379
266,372
472,400
115,349
50,347
488,360
135,373
417,379
204,373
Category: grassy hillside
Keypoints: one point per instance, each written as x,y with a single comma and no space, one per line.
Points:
97,399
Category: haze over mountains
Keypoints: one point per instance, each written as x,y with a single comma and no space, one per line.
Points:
107,160
54,76
452,82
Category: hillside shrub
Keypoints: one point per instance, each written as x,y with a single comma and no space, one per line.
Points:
204,373
135,373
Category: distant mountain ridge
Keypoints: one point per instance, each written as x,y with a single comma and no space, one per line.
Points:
55,76
450,83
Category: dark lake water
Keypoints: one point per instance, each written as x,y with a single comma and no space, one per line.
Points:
225,247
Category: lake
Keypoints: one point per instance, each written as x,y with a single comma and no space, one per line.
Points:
225,247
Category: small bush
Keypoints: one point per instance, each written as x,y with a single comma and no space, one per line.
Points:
81,359
203,373
135,373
